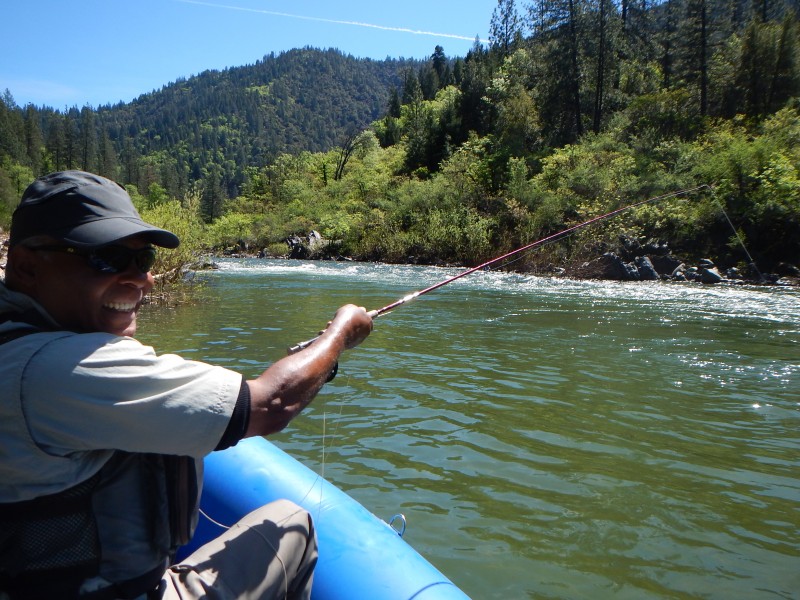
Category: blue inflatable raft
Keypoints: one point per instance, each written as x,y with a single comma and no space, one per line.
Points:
360,556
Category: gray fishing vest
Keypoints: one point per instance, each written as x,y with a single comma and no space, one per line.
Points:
109,536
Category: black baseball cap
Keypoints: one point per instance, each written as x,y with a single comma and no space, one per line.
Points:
83,210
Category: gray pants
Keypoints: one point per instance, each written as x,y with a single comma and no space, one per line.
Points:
268,554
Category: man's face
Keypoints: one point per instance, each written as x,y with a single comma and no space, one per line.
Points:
81,298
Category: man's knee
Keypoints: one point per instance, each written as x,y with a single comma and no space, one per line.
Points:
273,549
281,511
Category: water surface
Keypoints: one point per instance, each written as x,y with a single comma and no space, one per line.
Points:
545,438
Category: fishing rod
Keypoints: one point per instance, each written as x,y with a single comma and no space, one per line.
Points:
550,238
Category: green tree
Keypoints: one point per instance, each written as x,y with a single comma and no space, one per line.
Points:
474,109
557,53
785,81
12,128
88,140
170,270
33,140
417,130
505,29
517,123
393,106
213,194
605,44
55,144
441,67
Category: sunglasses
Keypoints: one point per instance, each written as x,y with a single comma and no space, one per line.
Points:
110,259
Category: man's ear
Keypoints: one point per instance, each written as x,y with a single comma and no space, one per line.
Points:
21,267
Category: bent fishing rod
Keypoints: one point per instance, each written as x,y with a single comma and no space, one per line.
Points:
550,238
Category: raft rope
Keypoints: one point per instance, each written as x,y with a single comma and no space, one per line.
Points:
484,266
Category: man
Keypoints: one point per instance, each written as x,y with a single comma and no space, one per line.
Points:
101,440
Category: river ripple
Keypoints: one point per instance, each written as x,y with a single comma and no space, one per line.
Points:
545,438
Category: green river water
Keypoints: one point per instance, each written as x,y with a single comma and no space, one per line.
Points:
544,438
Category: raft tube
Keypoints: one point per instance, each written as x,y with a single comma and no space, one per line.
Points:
360,556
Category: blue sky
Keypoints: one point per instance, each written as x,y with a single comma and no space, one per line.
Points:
64,53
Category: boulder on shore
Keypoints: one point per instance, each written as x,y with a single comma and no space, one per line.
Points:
313,247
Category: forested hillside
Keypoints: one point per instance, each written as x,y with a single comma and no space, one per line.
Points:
210,127
574,108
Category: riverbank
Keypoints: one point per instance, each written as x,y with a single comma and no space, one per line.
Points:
630,262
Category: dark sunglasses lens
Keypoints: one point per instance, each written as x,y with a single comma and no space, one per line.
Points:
145,259
115,259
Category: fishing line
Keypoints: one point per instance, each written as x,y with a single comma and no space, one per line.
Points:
320,478
741,241
483,266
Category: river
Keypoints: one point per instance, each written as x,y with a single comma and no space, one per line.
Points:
545,438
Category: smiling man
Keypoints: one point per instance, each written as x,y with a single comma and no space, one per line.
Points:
101,439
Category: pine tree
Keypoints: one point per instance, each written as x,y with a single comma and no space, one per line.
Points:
785,81
107,158
88,140
33,140
474,82
55,144
393,107
12,129
428,82
558,53
505,29
693,50
440,66
603,16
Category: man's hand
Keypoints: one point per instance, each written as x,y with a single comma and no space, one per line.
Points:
281,392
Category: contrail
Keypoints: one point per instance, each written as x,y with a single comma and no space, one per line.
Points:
334,21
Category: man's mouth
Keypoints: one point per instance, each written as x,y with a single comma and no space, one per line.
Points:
121,306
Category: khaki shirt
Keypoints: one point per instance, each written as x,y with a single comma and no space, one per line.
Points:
68,400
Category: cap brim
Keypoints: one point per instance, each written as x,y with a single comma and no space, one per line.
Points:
114,229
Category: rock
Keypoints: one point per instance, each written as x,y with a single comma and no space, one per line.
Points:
314,240
645,269
656,248
639,260
297,248
611,266
630,247
785,269
792,281
665,264
710,275
313,247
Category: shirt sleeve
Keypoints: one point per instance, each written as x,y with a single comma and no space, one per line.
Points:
99,391
239,421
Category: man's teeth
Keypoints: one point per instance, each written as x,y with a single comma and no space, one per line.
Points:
121,306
